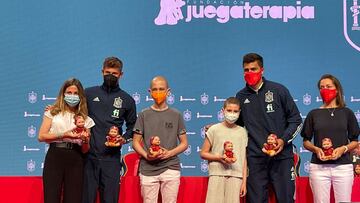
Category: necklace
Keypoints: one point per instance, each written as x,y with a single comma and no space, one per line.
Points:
331,112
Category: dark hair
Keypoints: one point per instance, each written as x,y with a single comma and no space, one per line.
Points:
113,62
340,93
231,100
252,57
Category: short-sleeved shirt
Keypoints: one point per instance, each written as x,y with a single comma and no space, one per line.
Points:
168,125
63,122
341,128
218,134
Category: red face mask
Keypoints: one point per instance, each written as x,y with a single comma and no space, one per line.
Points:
328,95
252,78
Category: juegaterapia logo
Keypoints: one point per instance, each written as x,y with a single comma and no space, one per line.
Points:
171,11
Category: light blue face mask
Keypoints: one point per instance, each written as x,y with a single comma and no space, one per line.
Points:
72,99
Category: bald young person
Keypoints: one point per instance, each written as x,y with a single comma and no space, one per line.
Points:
163,170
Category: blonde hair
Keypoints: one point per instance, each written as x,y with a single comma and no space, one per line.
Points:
61,106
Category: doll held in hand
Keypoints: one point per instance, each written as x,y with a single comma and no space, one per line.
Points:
112,139
327,148
270,145
79,123
228,152
155,149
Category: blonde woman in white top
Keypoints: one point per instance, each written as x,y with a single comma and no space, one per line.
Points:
63,167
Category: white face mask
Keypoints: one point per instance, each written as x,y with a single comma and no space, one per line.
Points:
231,117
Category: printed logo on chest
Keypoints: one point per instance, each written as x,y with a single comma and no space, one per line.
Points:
169,125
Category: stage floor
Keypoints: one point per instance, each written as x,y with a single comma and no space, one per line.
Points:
192,189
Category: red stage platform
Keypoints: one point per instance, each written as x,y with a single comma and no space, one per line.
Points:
192,189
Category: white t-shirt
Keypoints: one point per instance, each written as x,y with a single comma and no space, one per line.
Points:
64,122
217,135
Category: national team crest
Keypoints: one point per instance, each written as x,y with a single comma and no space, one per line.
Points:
202,132
187,115
220,116
357,114
351,10
118,102
31,131
170,99
187,152
204,166
307,99
136,96
204,99
30,165
269,97
32,97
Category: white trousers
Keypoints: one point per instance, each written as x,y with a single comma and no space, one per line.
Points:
223,189
168,182
323,175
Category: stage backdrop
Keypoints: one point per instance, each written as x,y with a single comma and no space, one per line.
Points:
197,44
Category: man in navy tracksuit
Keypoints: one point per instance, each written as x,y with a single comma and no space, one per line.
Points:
267,108
108,106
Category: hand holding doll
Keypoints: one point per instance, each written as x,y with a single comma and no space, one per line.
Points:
270,145
113,139
79,123
228,152
155,149
327,148
80,129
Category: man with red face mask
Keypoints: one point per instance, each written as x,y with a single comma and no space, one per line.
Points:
268,109
162,170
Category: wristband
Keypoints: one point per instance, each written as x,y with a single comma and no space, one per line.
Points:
346,149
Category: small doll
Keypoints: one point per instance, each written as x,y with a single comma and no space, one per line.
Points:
357,170
228,152
111,138
327,147
269,146
80,124
155,149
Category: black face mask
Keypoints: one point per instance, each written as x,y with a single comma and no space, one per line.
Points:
110,81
